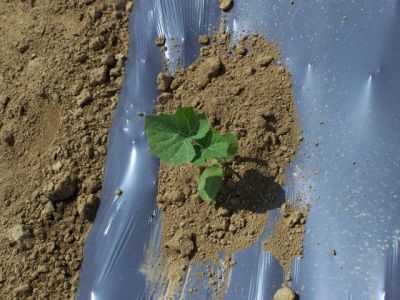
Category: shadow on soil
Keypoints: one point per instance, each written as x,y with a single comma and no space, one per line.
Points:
252,192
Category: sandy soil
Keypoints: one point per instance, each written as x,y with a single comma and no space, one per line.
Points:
61,66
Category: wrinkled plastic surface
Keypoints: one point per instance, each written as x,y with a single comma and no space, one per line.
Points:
345,60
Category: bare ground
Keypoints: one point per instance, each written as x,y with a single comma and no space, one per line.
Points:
61,67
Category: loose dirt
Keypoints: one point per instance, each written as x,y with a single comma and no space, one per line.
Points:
286,241
245,90
61,66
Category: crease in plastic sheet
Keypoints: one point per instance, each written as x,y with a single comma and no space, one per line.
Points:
344,57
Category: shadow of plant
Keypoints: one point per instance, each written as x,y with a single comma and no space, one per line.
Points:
251,192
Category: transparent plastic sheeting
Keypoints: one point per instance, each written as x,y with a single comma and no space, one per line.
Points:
345,60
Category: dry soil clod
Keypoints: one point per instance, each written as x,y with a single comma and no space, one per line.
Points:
87,206
204,39
160,41
164,81
225,5
284,293
65,186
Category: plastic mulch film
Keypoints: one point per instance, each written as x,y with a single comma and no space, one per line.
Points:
344,57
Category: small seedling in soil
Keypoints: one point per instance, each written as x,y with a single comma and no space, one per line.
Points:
186,136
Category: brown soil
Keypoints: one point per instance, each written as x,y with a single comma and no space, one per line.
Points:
242,89
60,74
286,241
284,293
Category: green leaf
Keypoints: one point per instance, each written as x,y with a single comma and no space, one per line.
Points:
170,136
210,183
215,145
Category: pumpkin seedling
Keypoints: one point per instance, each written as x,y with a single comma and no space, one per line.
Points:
186,136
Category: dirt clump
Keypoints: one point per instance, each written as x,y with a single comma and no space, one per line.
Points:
164,81
181,244
204,39
286,241
160,41
61,67
248,93
284,293
225,5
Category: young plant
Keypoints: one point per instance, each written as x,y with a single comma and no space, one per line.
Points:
186,136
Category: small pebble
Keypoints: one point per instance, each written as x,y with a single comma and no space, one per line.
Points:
118,192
